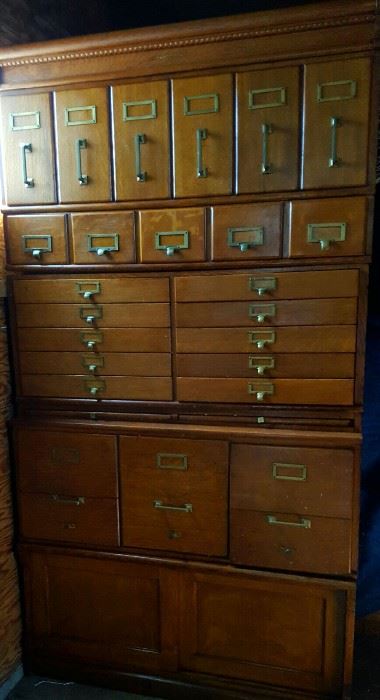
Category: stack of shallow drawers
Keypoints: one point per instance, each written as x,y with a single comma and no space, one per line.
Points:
188,256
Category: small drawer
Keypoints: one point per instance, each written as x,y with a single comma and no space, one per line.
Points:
172,235
91,290
94,340
85,387
328,227
103,238
66,463
36,240
246,231
93,315
69,519
137,364
281,540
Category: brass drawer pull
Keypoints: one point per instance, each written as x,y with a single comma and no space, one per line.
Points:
92,362
260,363
91,339
28,181
298,472
88,289
175,247
79,501
141,175
303,522
334,161
171,460
80,145
261,311
334,233
253,237
186,508
95,387
111,246
91,314
260,390
201,135
37,250
261,338
262,285
266,167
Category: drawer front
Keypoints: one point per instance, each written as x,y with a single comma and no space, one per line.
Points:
291,542
246,231
174,494
122,388
69,519
105,340
92,315
66,463
302,366
103,238
330,227
172,235
300,480
267,285
89,290
149,364
36,240
331,392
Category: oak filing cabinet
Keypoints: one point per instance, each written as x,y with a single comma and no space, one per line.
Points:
188,214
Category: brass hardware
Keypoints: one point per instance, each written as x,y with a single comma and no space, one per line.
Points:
262,91
34,250
201,135
64,455
254,236
261,311
185,508
79,122
171,249
127,117
171,460
261,338
260,390
260,363
303,522
141,175
95,386
299,471
69,526
91,338
26,148
88,289
188,112
80,145
334,161
288,551
321,87
260,420
79,501
92,362
174,534
325,242
24,127
102,249
266,167
91,314
262,285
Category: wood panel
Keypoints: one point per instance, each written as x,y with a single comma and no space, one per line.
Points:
246,231
121,363
36,239
98,315
56,290
172,235
103,238
116,340
124,388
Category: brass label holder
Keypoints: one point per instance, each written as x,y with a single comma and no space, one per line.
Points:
253,237
279,102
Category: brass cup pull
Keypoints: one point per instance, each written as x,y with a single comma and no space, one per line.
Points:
261,363
90,320
262,285
260,390
78,501
88,289
28,181
303,522
185,508
91,344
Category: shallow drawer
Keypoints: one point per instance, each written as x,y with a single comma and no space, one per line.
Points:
66,463
69,519
103,238
306,366
292,339
93,315
268,285
280,313
172,235
278,540
105,340
150,364
328,227
246,231
123,388
56,290
331,392
174,494
36,239
292,479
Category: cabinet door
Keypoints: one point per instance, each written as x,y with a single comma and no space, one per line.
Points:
336,123
27,149
84,173
203,135
141,133
268,130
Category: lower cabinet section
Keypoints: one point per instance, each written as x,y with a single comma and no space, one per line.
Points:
135,615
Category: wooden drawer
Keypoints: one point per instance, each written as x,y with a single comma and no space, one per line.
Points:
122,388
150,364
278,540
316,284
305,366
328,227
93,315
66,463
331,392
105,340
172,235
246,231
299,480
174,494
74,290
69,519
38,239
103,238
263,313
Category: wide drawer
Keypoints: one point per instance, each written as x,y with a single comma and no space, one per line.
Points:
69,519
103,237
150,364
39,239
122,388
261,284
278,540
66,463
105,340
99,315
172,235
75,290
246,231
307,366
